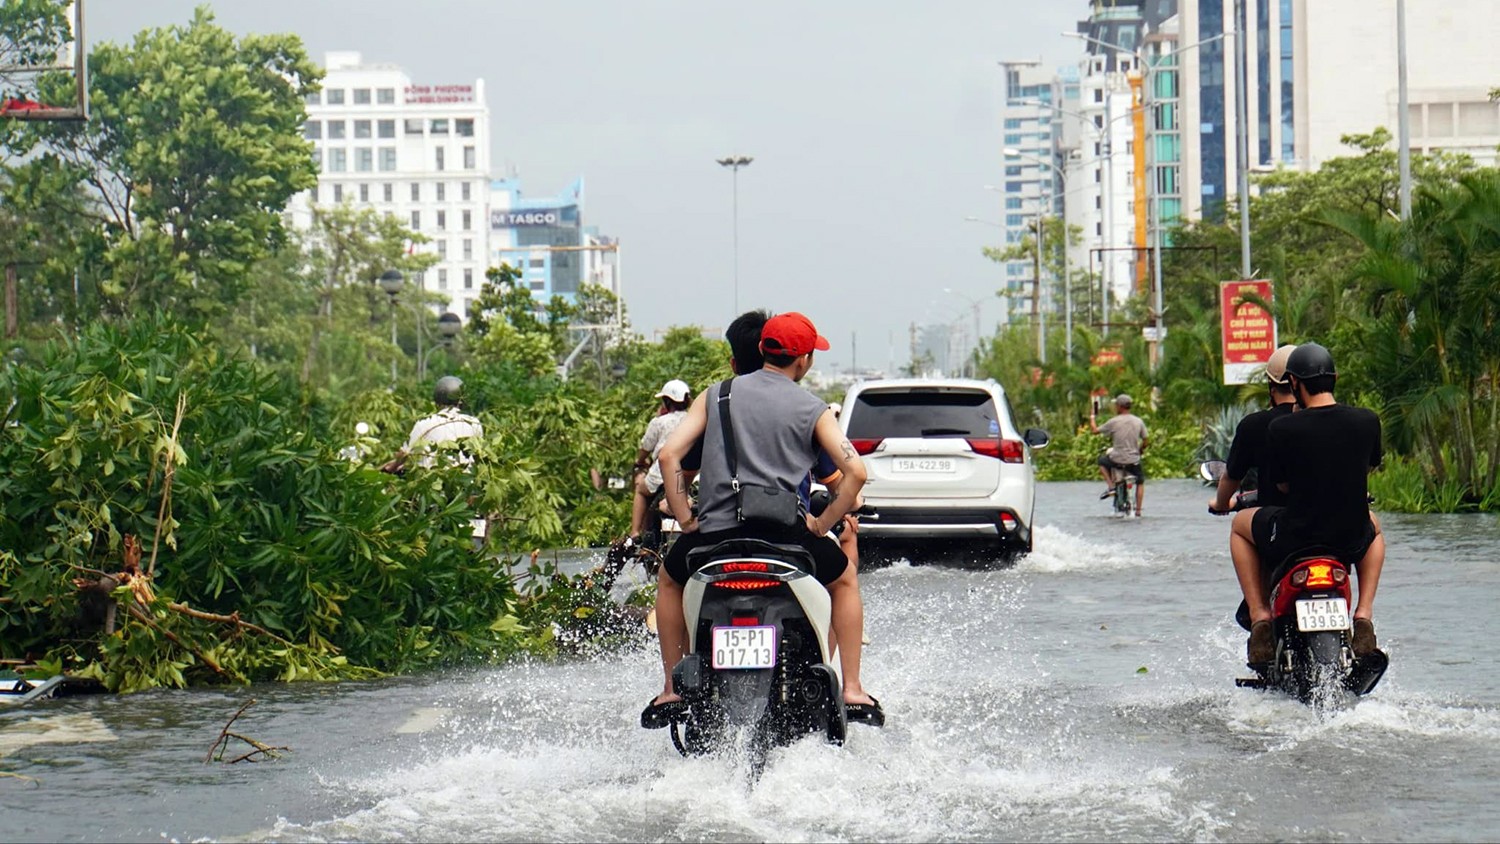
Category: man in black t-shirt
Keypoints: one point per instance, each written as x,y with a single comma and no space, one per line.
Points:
1248,452
1321,457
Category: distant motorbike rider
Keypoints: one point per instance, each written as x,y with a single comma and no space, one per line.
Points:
446,424
1248,451
1321,456
776,434
674,397
1130,439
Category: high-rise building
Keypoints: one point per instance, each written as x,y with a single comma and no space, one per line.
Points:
545,239
419,153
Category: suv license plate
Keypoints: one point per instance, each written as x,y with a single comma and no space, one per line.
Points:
744,647
1323,614
924,464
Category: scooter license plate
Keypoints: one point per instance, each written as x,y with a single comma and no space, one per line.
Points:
744,647
1322,614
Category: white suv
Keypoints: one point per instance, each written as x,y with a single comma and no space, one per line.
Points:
946,463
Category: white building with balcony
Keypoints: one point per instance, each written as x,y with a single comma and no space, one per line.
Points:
414,151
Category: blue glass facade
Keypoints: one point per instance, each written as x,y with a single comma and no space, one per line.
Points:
1288,87
524,233
1263,71
1211,165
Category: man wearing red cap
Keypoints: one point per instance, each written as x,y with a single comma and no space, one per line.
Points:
778,428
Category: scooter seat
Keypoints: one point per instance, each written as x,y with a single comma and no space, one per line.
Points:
729,549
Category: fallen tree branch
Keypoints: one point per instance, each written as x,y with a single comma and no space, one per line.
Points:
168,472
232,618
221,743
140,615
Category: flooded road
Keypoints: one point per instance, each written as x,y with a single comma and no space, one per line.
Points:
1086,693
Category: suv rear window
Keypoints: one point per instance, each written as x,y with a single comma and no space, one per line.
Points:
879,414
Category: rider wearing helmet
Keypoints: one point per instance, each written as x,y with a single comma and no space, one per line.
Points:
1248,452
1321,457
675,397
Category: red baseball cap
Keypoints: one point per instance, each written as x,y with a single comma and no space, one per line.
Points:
791,334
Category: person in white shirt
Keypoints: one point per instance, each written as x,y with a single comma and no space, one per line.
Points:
448,423
675,397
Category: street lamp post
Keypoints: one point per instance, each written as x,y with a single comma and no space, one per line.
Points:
449,325
391,282
734,163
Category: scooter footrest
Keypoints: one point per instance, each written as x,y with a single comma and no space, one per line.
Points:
1251,682
1367,671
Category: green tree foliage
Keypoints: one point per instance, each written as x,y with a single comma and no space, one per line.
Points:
192,151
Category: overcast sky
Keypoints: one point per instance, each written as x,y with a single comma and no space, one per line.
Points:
874,125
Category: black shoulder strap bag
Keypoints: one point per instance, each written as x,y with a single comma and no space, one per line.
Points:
755,504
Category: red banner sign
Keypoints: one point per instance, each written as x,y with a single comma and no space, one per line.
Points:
1249,330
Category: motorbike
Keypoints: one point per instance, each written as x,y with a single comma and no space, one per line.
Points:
760,651
1310,618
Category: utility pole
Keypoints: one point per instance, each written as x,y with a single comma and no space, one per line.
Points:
1404,150
734,163
1242,133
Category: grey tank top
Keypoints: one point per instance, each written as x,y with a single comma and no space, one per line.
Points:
773,421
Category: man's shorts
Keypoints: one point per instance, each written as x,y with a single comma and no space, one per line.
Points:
1274,544
653,477
829,561
1133,469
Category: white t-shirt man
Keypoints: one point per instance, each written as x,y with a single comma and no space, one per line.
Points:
449,423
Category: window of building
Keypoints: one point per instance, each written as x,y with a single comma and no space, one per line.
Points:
1098,175
1013,202
468,279
385,128
440,126
440,157
537,263
464,127
335,96
1015,219
1012,123
413,126
1012,187
442,246
385,96
338,193
416,191
364,160
361,129
416,220
1098,149
364,193
469,158
442,191
317,194
442,221
313,98
312,130
1013,140
387,159
336,130
468,220
317,157
442,279
1098,229
388,192
361,96
463,191
538,284
1098,95
338,160
1098,202
468,247
1098,121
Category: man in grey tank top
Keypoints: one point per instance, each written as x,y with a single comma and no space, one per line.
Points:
778,426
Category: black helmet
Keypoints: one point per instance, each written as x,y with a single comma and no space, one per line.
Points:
449,390
1309,360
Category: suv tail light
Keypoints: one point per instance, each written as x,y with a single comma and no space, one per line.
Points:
1009,451
865,446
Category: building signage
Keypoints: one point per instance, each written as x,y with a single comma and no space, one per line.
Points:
426,94
1248,330
514,218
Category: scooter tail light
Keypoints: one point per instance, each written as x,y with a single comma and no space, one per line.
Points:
1319,574
744,565
1339,576
746,583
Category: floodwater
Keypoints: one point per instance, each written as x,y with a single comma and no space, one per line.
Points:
1084,694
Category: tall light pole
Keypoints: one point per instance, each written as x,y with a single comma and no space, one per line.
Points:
734,163
391,282
1404,143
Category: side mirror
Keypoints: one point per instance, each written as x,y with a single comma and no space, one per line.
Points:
1211,470
1036,437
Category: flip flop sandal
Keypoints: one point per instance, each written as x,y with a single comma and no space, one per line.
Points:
865,713
657,716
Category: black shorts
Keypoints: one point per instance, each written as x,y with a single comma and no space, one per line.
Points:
1132,469
1274,545
829,561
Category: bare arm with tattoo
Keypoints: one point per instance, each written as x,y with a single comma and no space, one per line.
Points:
675,478
845,496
